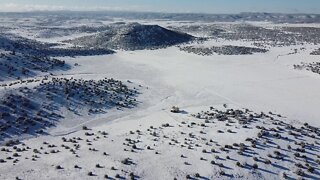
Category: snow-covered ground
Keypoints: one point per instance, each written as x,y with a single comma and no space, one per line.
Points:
264,82
150,142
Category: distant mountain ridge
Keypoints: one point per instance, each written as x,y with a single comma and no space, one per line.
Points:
246,16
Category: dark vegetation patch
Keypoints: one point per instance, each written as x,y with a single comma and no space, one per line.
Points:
223,50
32,110
133,36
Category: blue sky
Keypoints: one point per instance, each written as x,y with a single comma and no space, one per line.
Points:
206,6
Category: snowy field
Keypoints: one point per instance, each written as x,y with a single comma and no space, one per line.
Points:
249,116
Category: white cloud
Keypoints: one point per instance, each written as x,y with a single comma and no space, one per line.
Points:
14,7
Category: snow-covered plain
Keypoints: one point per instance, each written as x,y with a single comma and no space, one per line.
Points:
150,142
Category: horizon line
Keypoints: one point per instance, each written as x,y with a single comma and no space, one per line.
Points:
158,12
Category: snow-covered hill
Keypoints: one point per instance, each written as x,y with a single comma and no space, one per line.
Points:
40,104
134,36
218,143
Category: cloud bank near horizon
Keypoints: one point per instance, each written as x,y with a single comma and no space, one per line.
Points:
178,6
14,7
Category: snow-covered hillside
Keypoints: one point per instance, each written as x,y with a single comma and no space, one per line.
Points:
245,96
134,36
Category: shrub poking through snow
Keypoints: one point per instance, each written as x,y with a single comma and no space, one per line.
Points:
255,166
58,167
175,109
